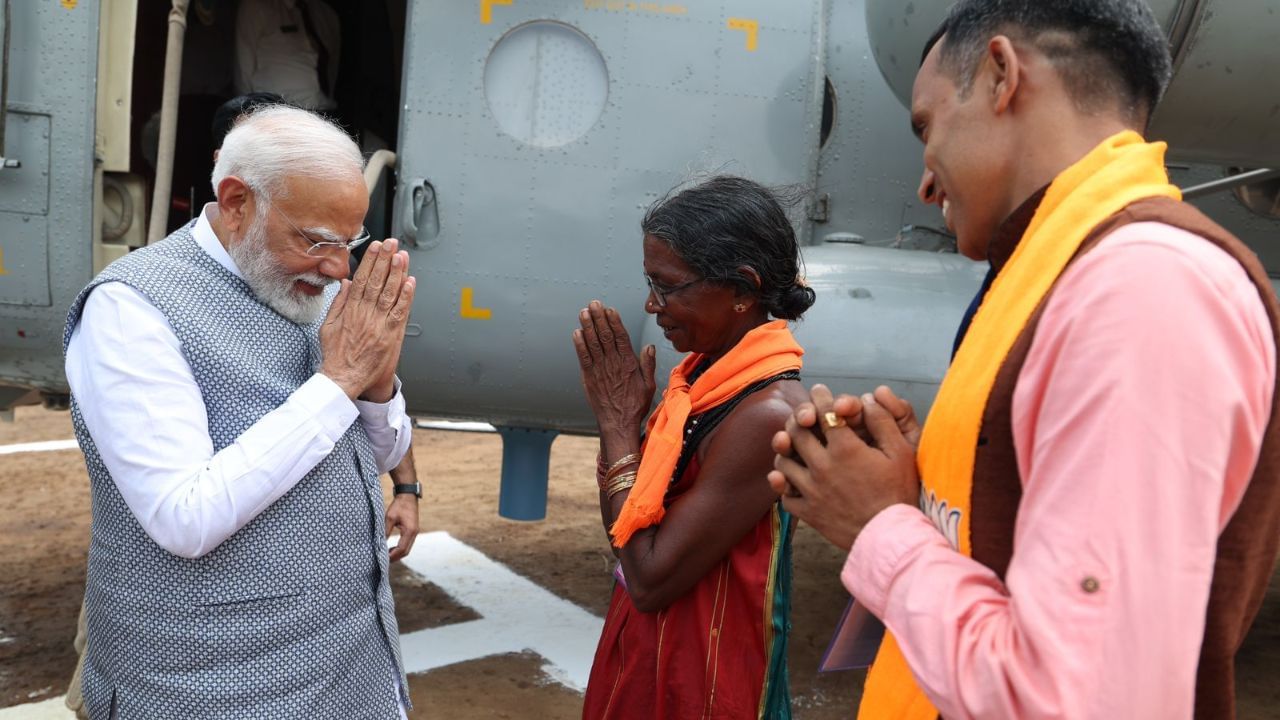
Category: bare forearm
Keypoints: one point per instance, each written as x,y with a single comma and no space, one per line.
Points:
405,473
655,579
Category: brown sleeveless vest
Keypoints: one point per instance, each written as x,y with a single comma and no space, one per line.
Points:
1247,548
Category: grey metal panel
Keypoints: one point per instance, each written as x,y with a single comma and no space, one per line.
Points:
31,26
537,232
52,71
25,259
25,189
1223,105
871,164
898,32
4,64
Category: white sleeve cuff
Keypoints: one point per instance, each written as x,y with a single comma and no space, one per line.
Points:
389,414
388,427
327,404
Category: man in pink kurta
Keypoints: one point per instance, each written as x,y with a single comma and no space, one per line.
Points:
1138,415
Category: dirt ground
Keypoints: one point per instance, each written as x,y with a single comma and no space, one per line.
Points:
44,532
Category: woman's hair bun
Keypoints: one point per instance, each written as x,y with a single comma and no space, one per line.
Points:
793,301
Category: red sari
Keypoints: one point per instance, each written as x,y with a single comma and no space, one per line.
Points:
717,652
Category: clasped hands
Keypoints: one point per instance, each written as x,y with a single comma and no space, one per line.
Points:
364,330
619,385
836,476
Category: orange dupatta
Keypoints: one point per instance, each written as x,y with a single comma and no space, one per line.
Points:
1118,172
765,351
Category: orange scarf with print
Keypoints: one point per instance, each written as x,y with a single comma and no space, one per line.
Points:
763,352
1120,171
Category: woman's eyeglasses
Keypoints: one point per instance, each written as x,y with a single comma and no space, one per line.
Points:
660,291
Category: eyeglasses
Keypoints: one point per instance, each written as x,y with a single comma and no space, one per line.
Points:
660,291
321,246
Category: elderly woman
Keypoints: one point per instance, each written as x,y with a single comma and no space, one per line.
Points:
697,626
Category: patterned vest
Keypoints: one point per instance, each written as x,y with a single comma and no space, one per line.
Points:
291,616
1247,547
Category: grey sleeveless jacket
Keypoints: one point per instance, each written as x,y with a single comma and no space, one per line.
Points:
292,615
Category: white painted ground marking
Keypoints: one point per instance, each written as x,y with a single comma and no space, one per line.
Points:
456,426
51,709
516,615
39,446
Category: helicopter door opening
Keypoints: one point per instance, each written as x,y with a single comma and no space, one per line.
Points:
364,45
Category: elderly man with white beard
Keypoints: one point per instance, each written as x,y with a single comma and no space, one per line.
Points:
234,434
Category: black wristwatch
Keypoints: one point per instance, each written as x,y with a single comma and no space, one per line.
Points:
414,489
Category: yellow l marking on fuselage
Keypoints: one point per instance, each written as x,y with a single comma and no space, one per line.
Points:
2,270
750,27
469,311
486,9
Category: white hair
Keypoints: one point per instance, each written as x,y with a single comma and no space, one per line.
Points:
276,142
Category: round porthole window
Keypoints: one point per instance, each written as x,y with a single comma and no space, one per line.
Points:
546,83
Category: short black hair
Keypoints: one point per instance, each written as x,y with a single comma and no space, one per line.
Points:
728,222
1107,52
224,118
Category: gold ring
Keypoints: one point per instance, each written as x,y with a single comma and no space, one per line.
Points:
832,420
